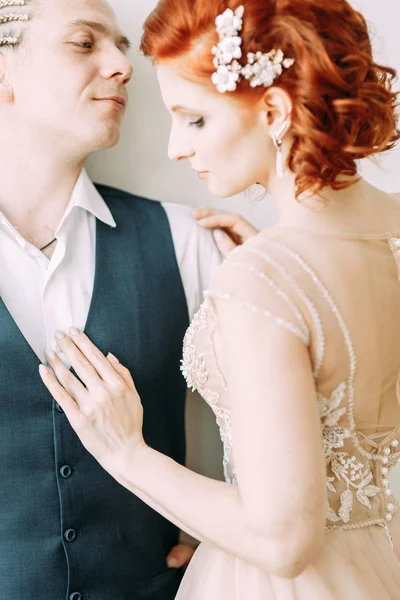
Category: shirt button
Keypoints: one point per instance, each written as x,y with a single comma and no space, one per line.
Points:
58,407
70,535
75,596
66,471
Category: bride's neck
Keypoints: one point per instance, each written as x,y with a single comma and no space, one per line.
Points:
289,208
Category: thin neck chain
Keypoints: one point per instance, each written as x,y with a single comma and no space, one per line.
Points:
47,245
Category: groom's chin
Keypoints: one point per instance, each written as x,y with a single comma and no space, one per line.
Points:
108,139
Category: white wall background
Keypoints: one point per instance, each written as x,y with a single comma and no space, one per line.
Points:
140,165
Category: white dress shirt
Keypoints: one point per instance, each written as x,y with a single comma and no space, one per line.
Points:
43,294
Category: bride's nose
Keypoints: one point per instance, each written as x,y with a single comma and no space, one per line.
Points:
178,150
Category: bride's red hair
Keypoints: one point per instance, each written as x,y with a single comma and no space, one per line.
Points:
344,106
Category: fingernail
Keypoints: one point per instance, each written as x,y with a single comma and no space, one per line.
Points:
218,235
113,358
43,370
59,335
73,331
172,563
50,354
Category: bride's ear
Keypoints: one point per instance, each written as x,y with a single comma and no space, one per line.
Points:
278,108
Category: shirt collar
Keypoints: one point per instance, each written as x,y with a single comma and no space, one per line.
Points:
86,196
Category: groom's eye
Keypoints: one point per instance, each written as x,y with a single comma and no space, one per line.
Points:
198,124
84,44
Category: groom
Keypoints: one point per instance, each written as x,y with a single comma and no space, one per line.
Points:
127,270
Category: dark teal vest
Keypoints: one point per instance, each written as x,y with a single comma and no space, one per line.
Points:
68,531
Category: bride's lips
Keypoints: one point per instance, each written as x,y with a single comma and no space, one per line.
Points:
202,174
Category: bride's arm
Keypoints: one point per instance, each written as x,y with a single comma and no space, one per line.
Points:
275,517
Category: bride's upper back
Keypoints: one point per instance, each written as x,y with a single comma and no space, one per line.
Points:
348,265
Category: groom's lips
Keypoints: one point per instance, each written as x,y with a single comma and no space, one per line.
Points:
116,100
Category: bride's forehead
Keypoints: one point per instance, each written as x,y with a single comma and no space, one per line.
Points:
177,88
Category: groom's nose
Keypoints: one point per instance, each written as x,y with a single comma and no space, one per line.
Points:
117,66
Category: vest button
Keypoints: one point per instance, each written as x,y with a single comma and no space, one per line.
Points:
70,535
75,596
58,407
66,471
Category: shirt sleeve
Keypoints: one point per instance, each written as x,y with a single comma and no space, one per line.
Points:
196,253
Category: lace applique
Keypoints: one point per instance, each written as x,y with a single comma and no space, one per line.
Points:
330,414
192,365
196,374
357,476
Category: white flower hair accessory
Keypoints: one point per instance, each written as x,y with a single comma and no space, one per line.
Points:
260,70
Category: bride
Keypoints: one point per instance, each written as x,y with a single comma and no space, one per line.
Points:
297,346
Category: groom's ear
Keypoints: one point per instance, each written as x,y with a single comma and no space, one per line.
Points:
6,90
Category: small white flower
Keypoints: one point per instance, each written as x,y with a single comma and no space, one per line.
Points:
236,67
277,57
230,48
288,62
225,80
239,12
247,71
230,23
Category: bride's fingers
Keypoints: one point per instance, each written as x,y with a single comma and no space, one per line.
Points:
223,241
224,220
231,222
201,213
122,371
68,381
94,366
60,395
79,362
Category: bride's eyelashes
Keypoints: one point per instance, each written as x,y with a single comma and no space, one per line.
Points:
199,124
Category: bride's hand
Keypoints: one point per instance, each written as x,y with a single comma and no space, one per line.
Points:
105,409
231,230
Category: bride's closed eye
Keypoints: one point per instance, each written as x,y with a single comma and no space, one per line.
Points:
198,124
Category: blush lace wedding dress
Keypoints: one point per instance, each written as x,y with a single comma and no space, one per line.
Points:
339,293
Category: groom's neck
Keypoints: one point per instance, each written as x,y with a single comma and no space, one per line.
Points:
35,189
